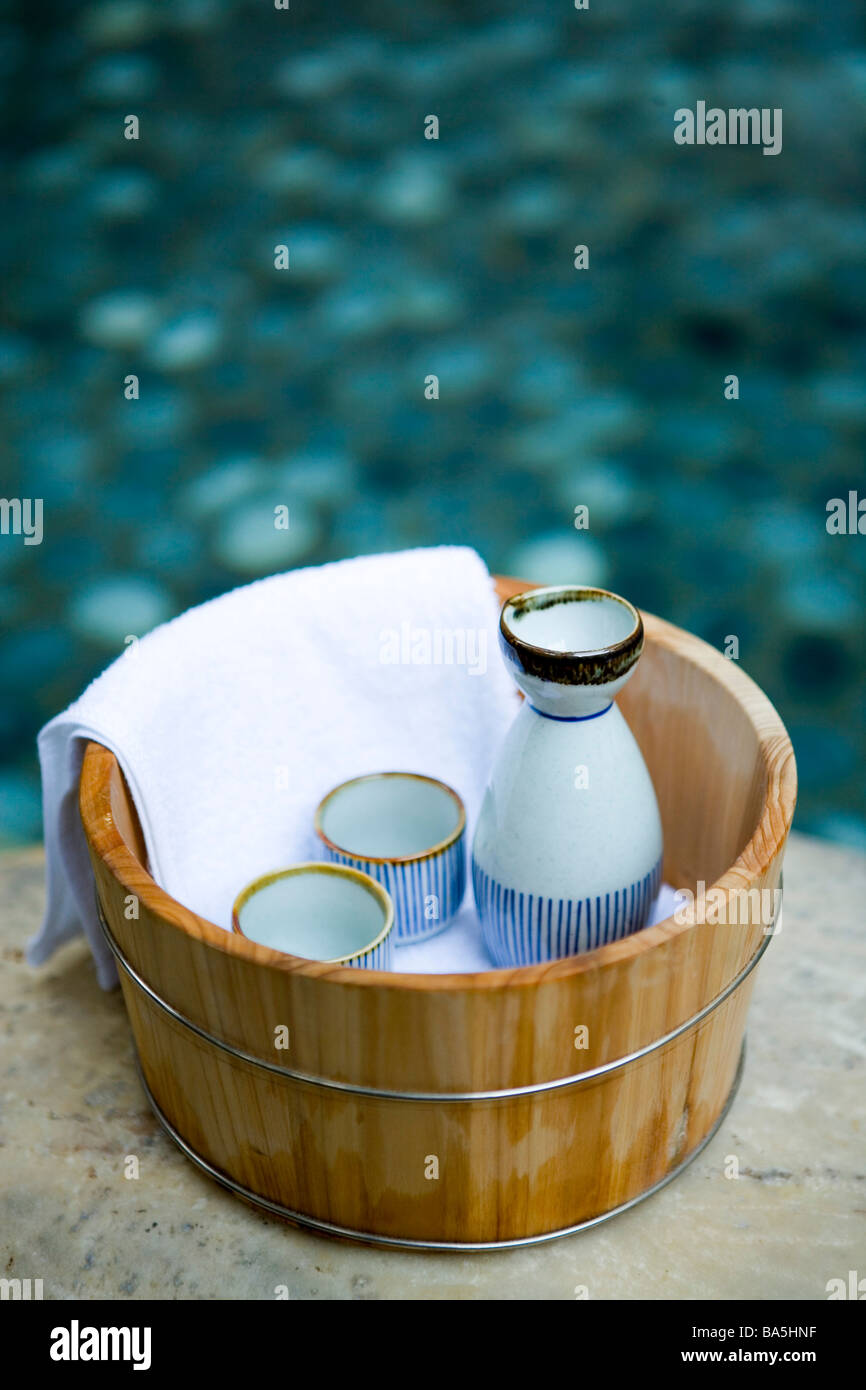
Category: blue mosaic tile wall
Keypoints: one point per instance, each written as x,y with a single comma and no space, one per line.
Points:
455,257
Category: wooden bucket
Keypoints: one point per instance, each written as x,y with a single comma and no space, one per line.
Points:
461,1112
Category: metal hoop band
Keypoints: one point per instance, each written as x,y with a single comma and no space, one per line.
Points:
402,1242
452,1097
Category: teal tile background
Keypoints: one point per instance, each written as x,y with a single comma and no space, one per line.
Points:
455,257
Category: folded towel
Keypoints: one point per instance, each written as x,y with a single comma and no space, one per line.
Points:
232,721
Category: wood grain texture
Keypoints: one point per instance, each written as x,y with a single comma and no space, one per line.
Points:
726,782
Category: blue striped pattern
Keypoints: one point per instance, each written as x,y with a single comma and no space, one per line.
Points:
525,929
378,959
411,885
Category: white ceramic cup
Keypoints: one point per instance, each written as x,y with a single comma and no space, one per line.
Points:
406,831
320,912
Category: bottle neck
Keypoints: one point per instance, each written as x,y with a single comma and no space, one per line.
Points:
556,700
571,718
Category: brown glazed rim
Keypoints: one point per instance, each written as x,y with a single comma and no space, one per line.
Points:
375,890
594,666
393,859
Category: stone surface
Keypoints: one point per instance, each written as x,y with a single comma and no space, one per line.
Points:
73,1109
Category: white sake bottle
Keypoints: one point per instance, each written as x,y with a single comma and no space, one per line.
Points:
568,847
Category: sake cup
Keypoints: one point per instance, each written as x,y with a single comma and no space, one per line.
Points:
321,912
407,832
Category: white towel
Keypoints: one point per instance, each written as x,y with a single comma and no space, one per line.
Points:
232,721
